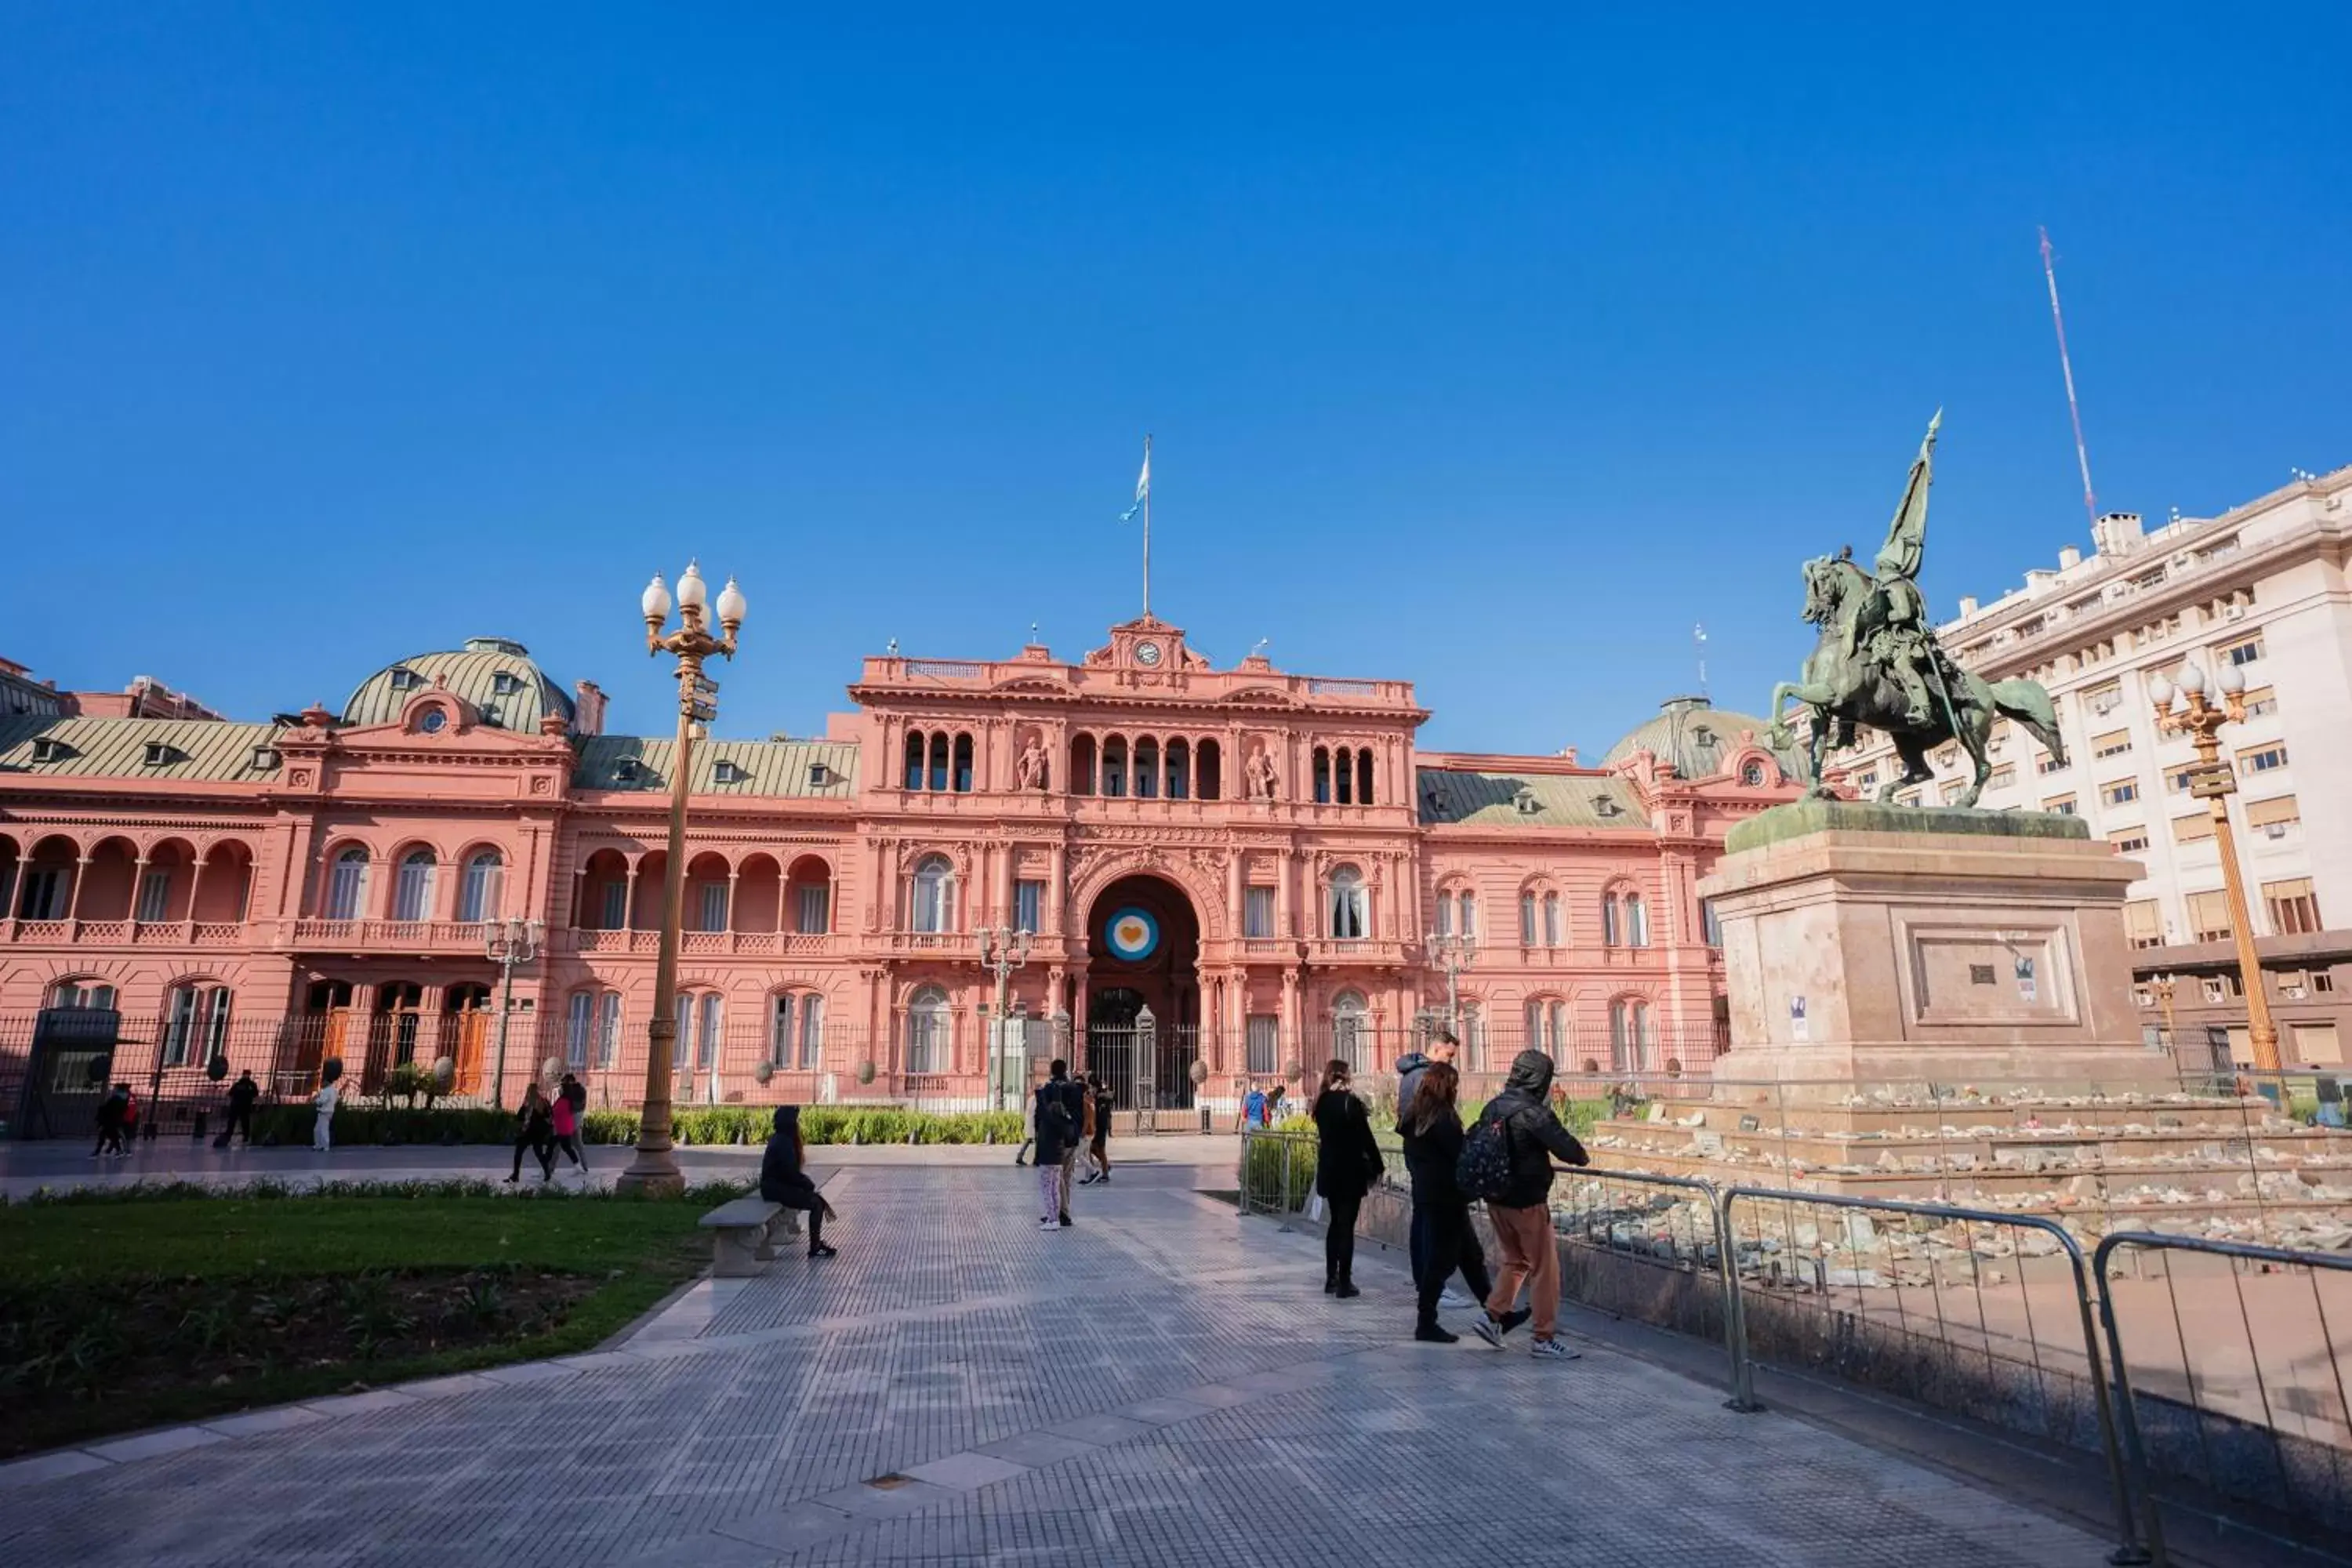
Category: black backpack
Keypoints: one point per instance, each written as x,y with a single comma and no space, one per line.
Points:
1482,1171
1053,1116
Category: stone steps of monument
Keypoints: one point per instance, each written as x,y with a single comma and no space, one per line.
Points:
2030,1148
1724,1110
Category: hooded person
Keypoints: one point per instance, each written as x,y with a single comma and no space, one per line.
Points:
784,1179
1521,1213
1444,1047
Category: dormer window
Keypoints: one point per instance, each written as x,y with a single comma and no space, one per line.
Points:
491,716
405,680
161,754
505,683
1704,737
1605,805
1525,802
727,773
264,759
627,770
819,775
46,749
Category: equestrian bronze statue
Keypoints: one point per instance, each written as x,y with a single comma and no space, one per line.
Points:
1878,663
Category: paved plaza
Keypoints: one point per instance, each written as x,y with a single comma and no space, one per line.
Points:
1163,1383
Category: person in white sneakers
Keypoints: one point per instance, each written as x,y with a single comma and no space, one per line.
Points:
1060,1115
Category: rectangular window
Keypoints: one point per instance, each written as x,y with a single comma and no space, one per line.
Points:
2244,652
617,905
2292,906
714,906
2271,819
2049,764
706,1051
1867,780
2208,917
1028,906
2261,699
1264,1036
1258,912
2176,781
44,897
2003,776
812,1033
1469,912
813,909
2192,829
1551,920
2122,791
579,1029
2064,806
1527,920
2113,743
1951,788
1710,923
2263,759
154,894
2105,698
779,1029
2129,841
180,1027
608,1030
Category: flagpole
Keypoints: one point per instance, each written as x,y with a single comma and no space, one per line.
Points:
1147,527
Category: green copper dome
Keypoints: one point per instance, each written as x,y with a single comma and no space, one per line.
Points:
1698,740
495,674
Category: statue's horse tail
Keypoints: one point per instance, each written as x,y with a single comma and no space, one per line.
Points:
2025,701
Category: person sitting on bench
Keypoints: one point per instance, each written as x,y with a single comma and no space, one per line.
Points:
783,1179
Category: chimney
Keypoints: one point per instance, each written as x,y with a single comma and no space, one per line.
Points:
2069,558
588,708
2116,534
1968,607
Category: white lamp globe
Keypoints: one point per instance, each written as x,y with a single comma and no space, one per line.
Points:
2192,680
2159,692
730,604
2232,678
656,600
692,592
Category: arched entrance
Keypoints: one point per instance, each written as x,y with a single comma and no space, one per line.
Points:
1144,946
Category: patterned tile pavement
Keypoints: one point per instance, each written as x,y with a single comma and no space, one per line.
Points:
1163,1383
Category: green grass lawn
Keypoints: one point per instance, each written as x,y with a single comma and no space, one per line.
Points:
118,1312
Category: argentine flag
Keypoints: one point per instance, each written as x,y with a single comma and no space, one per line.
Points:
1142,487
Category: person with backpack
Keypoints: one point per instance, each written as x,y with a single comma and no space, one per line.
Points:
1060,1115
1098,1138
1347,1163
574,1094
1442,1240
1506,1160
564,1130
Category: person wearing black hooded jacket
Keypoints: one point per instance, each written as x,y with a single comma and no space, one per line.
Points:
784,1178
1521,1213
1442,1240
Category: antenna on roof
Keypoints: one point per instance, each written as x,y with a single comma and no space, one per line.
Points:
1698,641
2067,368
1258,646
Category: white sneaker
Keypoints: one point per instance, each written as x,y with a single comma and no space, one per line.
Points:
1553,1349
1048,1225
1456,1298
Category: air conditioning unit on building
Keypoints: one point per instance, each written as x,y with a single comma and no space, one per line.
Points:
2233,612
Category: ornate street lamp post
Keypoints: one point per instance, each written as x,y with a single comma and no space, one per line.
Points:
653,1171
2190,712
510,943
1450,951
1002,950
2162,985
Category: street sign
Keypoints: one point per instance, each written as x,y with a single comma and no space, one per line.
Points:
705,686
2204,784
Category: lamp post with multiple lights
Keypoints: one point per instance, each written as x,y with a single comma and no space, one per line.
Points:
1002,950
2188,710
1451,952
509,944
653,1170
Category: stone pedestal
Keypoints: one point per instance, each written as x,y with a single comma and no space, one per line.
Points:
1884,945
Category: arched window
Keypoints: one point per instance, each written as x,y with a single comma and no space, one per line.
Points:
963,764
1349,914
412,895
1444,918
1624,919
1547,1026
1527,920
347,886
1146,769
1180,768
1114,766
795,1026
934,895
1322,776
591,1034
1628,1034
1211,782
1466,903
939,779
915,759
1551,933
1343,777
1082,766
1751,774
1350,1030
195,1017
477,896
1364,777
700,1016
926,1031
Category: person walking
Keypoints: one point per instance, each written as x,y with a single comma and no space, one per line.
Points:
322,1123
784,1179
1098,1146
1058,1108
1521,1116
533,1131
1444,1047
112,1111
241,1096
576,1094
1254,1108
1443,1239
564,1129
1347,1163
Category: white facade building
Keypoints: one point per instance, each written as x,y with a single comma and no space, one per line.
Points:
2264,587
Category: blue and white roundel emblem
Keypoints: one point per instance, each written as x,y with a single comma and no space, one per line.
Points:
1134,935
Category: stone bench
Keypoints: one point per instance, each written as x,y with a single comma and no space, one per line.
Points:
743,1234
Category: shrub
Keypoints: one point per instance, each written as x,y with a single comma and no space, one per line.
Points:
704,1126
1263,1170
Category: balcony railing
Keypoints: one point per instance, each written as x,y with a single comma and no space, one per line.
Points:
751,944
385,936
129,933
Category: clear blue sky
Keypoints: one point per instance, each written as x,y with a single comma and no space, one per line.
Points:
1488,351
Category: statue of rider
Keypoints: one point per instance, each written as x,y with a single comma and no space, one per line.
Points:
1893,625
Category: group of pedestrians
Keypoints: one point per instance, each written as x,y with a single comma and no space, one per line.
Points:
1069,1116
1503,1159
546,1124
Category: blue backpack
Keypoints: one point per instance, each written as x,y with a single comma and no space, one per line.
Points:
1484,1170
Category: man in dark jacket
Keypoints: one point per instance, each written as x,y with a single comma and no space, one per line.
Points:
1444,1047
241,1096
1522,1213
1059,1114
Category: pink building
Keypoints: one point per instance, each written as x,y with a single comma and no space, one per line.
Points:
1259,858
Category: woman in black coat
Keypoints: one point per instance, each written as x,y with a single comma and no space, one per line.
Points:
1347,1163
1431,1125
782,1179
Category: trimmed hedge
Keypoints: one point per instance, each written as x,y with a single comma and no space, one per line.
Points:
703,1125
